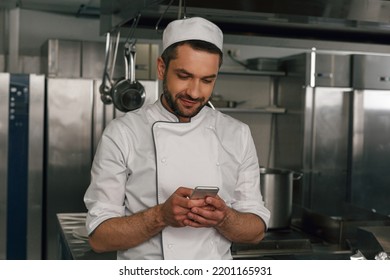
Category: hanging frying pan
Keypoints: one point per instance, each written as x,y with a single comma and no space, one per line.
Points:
128,94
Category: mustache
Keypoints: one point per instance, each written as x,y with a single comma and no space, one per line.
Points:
186,96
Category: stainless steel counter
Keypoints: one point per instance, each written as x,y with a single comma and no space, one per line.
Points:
73,242
74,245
287,244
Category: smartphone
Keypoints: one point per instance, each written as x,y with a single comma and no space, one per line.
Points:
203,191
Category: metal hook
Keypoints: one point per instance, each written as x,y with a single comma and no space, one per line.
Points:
162,15
133,28
182,7
118,36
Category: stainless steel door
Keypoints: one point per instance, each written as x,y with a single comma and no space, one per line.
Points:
69,151
370,176
76,118
35,166
313,138
326,149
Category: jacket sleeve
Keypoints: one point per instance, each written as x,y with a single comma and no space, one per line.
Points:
104,197
247,195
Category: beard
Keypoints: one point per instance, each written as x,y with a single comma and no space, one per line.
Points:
175,106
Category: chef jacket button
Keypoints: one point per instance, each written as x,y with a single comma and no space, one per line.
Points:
163,160
170,246
217,163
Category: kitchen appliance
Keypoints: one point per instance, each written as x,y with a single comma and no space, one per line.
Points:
21,164
313,135
336,131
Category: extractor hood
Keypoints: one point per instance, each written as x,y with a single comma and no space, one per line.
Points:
339,20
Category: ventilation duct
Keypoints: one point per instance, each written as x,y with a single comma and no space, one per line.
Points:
340,20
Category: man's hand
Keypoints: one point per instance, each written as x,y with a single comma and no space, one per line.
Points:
235,226
208,212
176,208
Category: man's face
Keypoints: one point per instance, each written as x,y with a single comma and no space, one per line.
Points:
188,82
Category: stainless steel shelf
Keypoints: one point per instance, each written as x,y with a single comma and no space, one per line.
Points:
252,73
269,110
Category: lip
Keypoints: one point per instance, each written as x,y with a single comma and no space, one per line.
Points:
187,102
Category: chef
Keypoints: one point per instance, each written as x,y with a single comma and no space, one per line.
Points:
149,161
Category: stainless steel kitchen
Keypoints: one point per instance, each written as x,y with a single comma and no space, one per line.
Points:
311,79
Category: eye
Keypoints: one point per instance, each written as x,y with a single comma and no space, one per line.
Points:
208,81
183,76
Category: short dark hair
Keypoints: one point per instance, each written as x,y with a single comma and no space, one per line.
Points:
171,52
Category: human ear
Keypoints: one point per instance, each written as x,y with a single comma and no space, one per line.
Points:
160,68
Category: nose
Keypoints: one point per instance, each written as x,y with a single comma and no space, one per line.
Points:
194,89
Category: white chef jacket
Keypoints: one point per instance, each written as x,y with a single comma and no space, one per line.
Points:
145,155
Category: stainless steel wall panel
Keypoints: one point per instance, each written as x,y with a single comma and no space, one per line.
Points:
69,156
61,58
92,60
35,166
151,91
146,60
289,128
154,54
85,59
2,63
4,112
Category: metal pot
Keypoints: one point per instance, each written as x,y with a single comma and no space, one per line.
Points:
277,189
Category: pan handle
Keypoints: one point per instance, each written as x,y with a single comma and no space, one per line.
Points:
106,85
130,62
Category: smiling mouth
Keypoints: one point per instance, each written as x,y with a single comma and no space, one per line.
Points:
188,102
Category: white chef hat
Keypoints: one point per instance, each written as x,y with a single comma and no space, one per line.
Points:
195,28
